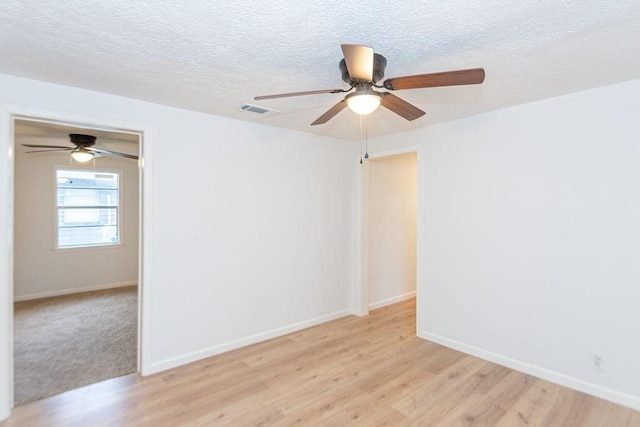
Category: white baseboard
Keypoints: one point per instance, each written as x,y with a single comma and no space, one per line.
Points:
552,376
393,300
70,291
242,342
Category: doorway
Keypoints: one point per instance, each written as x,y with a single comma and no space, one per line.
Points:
76,273
392,229
389,243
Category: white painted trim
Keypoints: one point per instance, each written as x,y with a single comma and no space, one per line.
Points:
361,299
394,152
242,342
546,374
8,114
145,235
421,217
6,263
70,291
393,300
361,305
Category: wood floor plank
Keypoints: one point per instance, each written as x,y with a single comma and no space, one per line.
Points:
572,409
360,371
534,406
421,401
488,408
608,414
374,405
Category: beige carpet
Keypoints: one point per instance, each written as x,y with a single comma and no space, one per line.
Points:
66,342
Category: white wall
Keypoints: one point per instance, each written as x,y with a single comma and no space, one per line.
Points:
252,227
532,237
39,269
392,228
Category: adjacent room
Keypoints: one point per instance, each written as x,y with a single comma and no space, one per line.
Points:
75,259
346,213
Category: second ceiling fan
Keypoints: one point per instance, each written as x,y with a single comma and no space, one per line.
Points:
362,69
83,149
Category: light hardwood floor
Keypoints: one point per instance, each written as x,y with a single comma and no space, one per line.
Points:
352,371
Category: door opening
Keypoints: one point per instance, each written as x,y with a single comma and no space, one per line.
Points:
44,273
389,241
392,229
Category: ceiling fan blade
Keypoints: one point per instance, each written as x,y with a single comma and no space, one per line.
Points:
448,78
400,106
359,60
309,92
330,113
111,153
47,146
49,151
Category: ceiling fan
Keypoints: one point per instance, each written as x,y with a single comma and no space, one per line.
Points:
362,68
83,150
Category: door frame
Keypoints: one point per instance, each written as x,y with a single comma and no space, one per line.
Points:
361,299
7,179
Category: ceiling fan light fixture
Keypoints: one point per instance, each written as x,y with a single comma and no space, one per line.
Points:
81,155
363,102
362,69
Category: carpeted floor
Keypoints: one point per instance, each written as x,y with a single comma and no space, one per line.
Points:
66,342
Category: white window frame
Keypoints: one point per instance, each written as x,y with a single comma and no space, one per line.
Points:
120,225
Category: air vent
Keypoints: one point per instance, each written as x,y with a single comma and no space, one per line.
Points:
256,109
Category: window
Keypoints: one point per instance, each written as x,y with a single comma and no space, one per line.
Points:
87,205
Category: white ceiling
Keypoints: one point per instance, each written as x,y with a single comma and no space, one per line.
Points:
213,56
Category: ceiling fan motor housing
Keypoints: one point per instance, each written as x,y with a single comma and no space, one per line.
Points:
379,65
82,140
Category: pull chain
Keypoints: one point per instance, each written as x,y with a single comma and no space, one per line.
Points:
363,130
366,139
361,135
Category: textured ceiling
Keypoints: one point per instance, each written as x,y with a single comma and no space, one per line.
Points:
213,56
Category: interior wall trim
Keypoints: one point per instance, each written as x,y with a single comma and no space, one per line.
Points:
243,342
393,300
8,114
71,291
537,371
361,304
